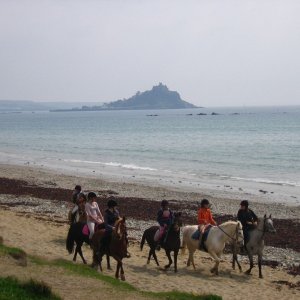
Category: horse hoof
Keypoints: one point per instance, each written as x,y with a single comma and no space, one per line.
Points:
109,268
248,272
212,270
167,267
148,261
261,277
122,277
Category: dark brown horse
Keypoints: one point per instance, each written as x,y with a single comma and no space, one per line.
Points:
171,242
76,236
117,247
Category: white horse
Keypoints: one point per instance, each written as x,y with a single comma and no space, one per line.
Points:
215,243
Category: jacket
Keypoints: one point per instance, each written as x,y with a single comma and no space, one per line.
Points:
205,216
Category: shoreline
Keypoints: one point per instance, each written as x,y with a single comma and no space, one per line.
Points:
28,189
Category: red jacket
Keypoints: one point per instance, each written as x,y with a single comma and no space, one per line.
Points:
205,217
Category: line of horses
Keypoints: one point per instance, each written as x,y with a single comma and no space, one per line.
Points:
230,232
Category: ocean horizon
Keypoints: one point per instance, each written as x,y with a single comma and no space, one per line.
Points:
238,148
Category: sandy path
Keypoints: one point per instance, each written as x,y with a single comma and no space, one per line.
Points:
48,240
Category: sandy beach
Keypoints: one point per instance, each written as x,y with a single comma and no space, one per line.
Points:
34,203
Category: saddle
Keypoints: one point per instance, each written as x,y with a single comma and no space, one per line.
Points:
204,234
86,231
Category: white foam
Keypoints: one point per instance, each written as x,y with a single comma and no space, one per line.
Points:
112,164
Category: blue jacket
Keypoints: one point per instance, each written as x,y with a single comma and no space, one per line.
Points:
110,219
162,220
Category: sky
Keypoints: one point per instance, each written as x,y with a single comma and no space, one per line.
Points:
213,52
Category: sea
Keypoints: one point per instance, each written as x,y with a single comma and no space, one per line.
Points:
242,149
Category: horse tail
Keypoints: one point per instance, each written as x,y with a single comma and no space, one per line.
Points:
143,240
70,240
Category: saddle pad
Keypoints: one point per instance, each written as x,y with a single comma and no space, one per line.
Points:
85,230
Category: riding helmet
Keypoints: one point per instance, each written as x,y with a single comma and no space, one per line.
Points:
204,202
91,195
245,203
112,203
164,203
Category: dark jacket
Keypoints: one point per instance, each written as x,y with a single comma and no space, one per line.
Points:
162,220
110,219
245,216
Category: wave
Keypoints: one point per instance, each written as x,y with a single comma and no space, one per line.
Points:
262,180
111,164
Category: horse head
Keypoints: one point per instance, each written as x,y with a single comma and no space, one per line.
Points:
268,224
239,234
120,228
177,221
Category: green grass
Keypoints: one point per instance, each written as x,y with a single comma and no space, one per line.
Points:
86,271
11,251
12,289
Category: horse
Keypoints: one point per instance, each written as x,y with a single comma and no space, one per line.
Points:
217,237
117,247
76,235
171,241
255,244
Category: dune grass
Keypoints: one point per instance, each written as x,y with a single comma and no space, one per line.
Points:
13,289
86,271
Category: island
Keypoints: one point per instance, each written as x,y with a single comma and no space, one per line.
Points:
159,97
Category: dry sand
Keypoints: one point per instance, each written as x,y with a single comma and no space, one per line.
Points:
48,240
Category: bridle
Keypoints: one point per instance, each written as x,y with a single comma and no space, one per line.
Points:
235,237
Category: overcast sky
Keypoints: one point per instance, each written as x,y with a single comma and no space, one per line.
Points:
214,53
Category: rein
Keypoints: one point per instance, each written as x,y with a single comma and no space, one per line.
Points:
236,233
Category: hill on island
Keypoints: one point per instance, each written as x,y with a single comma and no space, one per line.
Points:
159,97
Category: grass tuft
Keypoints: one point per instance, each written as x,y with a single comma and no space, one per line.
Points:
12,289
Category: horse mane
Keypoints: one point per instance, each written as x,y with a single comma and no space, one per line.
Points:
231,223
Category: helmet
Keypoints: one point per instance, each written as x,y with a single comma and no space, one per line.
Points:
111,203
77,188
91,195
164,203
245,203
204,202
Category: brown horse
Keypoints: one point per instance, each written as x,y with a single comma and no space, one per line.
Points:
117,247
170,243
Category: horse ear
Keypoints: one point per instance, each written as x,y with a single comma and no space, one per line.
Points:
270,217
123,219
265,216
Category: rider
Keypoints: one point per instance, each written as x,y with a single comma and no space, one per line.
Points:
164,218
204,217
76,192
248,219
78,213
93,212
111,215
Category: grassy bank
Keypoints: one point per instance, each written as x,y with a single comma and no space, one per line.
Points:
16,288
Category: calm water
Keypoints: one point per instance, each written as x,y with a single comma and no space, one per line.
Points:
257,144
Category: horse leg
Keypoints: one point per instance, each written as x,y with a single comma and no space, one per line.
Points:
75,254
215,269
175,260
122,272
81,255
191,259
149,256
168,253
108,262
155,257
117,270
248,272
259,265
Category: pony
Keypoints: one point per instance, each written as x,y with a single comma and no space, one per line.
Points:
117,247
171,241
217,237
255,244
76,235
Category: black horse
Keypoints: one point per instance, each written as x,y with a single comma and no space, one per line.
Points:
171,242
75,235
